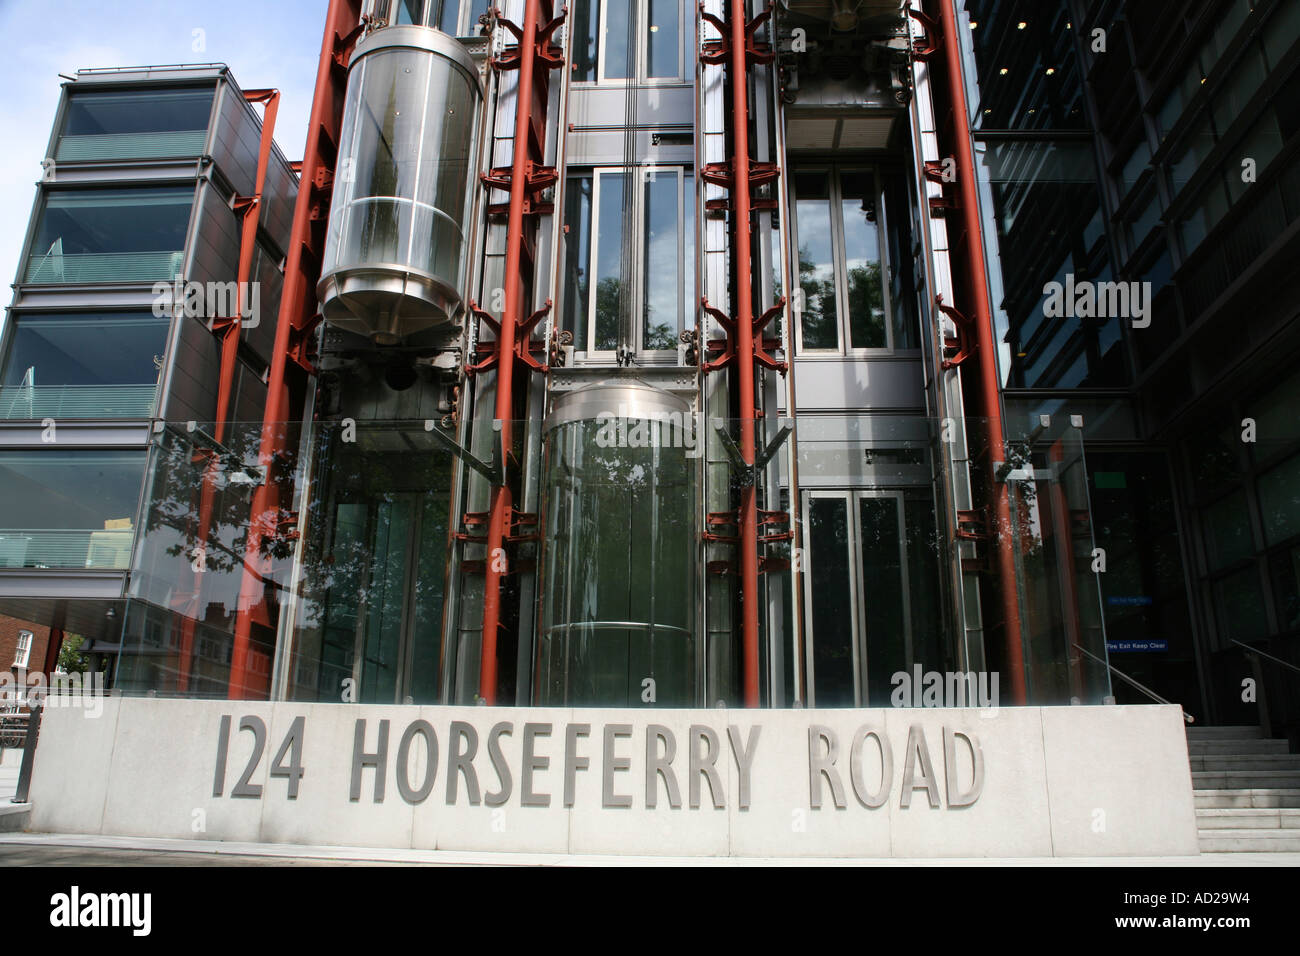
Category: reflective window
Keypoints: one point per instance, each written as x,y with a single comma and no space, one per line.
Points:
617,40
110,235
135,124
873,591
1049,244
82,365
1024,62
841,273
68,509
639,250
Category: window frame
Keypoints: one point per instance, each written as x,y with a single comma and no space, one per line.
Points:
687,316
859,596
844,321
640,57
23,652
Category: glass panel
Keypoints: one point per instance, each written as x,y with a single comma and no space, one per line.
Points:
1060,601
866,299
1187,160
408,12
609,258
690,300
68,509
1227,531
665,39
82,365
819,320
586,21
111,235
883,596
618,608
1048,229
374,566
1279,500
577,258
138,124
831,600
663,265
1246,80
404,193
617,32
1285,569
1014,46
1239,602
449,17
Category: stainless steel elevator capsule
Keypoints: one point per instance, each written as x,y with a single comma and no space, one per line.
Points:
395,256
617,623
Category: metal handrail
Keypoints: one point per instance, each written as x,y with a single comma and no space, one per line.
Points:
1275,660
1187,718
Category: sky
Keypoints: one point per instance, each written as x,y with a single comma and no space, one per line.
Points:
267,43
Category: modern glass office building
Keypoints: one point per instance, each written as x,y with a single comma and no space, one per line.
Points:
654,357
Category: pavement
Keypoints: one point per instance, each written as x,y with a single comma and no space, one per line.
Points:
55,849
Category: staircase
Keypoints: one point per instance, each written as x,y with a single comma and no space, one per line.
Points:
1247,791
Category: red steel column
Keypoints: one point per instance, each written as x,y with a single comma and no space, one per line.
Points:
987,351
297,306
744,313
502,500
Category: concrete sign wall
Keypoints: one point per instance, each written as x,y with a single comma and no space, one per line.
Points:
1007,782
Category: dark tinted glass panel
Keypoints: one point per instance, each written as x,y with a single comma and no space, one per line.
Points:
883,597
138,111
832,608
577,258
1025,66
1048,225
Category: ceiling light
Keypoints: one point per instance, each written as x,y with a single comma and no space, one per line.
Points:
973,24
1051,70
1021,25
1002,72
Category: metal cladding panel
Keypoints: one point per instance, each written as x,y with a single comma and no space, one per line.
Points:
861,383
63,585
235,139
195,360
278,197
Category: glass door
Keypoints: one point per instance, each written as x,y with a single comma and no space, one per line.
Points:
872,590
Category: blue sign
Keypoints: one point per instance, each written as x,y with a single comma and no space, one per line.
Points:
1151,644
1137,600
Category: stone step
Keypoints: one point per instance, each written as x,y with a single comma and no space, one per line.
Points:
1252,818
14,817
1237,762
1265,745
1245,779
1262,797
1234,732
1249,841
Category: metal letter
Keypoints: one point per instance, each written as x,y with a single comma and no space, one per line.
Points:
657,766
705,764
819,764
865,797
608,798
572,762
458,762
532,762
955,797
425,730
916,745
361,760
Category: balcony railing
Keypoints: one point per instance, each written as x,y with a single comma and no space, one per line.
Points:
76,401
104,267
60,548
159,145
